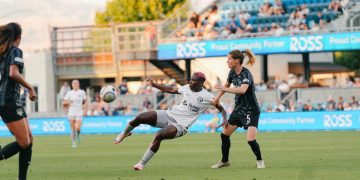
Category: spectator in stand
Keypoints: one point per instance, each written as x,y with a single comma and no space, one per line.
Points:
284,89
318,18
233,25
146,103
151,33
304,10
319,107
261,87
347,107
330,107
278,8
357,82
266,10
292,106
128,110
339,107
95,108
280,106
244,16
349,81
123,88
195,20
63,90
119,109
335,6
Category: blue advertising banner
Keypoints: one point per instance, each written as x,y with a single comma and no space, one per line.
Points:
295,121
261,45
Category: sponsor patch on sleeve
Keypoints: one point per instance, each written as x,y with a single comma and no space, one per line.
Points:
18,59
245,80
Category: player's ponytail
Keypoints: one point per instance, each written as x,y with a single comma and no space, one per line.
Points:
6,38
251,56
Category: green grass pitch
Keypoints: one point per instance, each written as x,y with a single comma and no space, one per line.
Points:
287,155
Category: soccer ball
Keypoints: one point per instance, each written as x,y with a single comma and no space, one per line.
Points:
108,94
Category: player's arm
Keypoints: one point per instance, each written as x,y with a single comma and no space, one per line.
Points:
168,89
220,93
223,113
14,73
234,90
16,76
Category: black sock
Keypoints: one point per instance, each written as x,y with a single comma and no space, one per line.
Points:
225,147
255,148
9,150
24,162
78,134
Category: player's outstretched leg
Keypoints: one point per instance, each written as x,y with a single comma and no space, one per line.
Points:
168,132
143,118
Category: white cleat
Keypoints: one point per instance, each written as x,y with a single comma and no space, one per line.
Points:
73,145
138,167
220,165
121,137
260,164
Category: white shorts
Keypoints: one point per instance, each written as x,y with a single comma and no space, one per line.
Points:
163,120
75,117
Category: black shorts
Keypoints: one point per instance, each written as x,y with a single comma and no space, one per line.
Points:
12,113
244,121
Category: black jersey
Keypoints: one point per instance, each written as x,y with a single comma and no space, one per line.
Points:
10,89
247,103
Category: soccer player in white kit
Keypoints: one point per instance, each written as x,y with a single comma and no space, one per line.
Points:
75,99
176,121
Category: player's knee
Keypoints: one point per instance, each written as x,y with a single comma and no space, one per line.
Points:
24,143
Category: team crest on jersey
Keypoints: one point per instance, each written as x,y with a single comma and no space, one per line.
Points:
19,112
245,80
200,99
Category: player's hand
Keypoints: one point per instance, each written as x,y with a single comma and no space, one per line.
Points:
225,123
149,82
215,101
32,94
219,87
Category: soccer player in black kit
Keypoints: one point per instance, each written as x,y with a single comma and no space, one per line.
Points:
11,110
246,112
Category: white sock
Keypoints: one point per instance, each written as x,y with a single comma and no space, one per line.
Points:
73,136
147,156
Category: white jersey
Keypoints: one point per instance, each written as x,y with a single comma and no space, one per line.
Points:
76,98
193,104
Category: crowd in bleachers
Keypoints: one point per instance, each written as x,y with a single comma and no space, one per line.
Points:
331,105
270,16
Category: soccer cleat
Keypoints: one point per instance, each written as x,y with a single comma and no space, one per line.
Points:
260,164
121,137
73,145
138,167
220,165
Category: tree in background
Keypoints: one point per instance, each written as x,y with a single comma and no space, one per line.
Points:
349,59
118,11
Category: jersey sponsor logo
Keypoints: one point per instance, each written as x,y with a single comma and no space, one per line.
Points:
193,108
18,59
